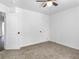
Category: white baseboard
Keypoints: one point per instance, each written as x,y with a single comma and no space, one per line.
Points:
12,48
66,45
25,45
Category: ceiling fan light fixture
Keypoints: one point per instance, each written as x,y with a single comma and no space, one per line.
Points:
49,3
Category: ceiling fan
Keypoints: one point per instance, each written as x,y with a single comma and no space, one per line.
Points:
47,2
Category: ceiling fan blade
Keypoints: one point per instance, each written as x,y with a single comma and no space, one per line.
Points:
41,0
44,4
55,4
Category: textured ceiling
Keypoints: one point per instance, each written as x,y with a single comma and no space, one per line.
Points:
35,6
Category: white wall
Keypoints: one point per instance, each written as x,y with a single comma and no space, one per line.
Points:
11,32
30,24
65,27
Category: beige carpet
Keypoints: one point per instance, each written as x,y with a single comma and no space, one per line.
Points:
47,50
